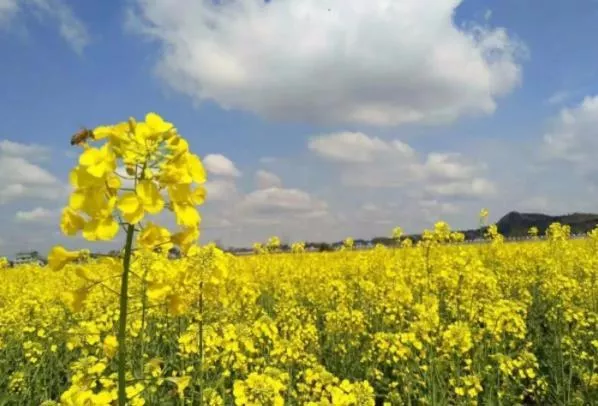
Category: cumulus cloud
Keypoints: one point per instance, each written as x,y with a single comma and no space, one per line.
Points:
220,165
558,97
280,203
448,166
20,178
17,191
266,180
346,61
413,214
70,27
433,210
218,190
354,147
29,151
573,136
8,9
476,187
372,162
17,170
37,215
373,213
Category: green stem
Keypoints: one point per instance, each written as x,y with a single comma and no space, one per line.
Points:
143,311
122,323
201,343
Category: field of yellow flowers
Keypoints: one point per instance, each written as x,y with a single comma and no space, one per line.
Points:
424,324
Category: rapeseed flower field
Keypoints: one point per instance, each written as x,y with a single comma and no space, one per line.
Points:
430,323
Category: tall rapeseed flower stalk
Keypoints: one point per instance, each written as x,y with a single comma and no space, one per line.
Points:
483,221
139,169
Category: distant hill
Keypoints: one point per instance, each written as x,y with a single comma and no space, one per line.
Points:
515,224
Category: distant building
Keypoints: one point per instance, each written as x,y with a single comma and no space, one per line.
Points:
29,258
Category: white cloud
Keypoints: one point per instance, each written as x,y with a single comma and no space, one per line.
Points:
347,61
218,190
17,191
266,180
220,165
29,151
373,214
280,203
558,97
573,137
37,215
20,178
17,170
8,9
448,166
216,223
71,28
372,162
354,147
476,187
433,210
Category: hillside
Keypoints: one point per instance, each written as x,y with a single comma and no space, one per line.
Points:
515,224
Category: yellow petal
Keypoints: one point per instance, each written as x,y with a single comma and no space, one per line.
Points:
180,193
90,230
134,217
84,273
157,292
178,145
107,229
77,200
90,157
175,304
186,215
199,195
77,299
80,178
110,346
71,222
113,181
142,132
196,168
129,203
59,257
98,170
153,235
103,131
156,123
149,194
186,238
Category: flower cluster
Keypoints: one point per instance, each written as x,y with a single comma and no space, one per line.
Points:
140,169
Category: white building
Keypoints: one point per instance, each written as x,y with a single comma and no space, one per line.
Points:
28,258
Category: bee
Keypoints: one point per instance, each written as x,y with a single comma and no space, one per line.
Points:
82,136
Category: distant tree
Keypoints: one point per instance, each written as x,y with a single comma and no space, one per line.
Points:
325,247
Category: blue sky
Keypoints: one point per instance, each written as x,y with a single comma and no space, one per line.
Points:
315,124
